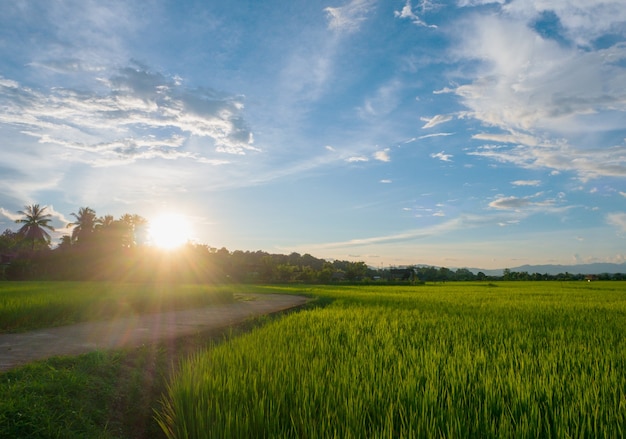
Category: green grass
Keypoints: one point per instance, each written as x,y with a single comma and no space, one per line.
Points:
30,305
453,360
102,394
97,395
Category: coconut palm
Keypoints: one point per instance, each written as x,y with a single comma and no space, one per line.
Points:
85,224
35,222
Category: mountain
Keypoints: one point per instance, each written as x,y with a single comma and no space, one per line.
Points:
596,268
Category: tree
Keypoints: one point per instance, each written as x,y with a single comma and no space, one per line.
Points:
85,224
35,221
9,241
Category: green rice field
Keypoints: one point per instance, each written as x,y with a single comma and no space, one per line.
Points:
510,360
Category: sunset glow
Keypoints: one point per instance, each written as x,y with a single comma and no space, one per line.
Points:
169,231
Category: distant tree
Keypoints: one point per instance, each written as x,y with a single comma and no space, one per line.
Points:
463,274
507,275
35,223
84,226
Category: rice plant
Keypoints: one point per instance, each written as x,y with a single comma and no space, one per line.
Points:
455,360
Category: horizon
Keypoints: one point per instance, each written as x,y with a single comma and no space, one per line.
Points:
479,134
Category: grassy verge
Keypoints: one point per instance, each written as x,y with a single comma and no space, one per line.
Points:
455,360
31,305
101,394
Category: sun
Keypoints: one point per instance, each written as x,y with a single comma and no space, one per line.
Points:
169,231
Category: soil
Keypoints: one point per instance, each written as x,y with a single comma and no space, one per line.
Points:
137,331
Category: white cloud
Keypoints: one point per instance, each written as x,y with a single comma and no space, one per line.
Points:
10,215
385,181
552,99
525,203
512,137
348,18
436,120
581,21
623,194
382,155
61,220
526,183
617,219
330,148
110,127
561,157
466,3
442,156
426,136
356,159
510,203
407,12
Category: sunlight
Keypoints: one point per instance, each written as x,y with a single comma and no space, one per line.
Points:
169,231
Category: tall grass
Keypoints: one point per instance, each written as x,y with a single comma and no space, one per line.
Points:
464,361
30,305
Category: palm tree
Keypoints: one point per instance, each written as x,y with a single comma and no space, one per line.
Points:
85,224
35,222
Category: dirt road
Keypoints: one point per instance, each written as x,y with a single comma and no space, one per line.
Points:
19,349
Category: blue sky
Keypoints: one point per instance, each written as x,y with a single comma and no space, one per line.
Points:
467,133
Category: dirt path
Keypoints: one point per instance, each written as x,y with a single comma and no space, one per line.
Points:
19,349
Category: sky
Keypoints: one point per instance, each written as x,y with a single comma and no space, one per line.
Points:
456,133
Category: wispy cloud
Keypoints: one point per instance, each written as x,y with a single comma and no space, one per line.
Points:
110,127
384,100
426,136
527,203
436,120
442,156
348,18
587,164
526,183
12,216
617,219
580,22
59,219
407,12
356,159
462,222
543,93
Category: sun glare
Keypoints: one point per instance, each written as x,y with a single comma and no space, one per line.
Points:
169,231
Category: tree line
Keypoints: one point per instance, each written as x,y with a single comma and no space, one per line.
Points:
106,248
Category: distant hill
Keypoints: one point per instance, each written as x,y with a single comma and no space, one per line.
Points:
596,268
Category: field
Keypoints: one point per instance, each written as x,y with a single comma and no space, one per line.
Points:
452,360
473,360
